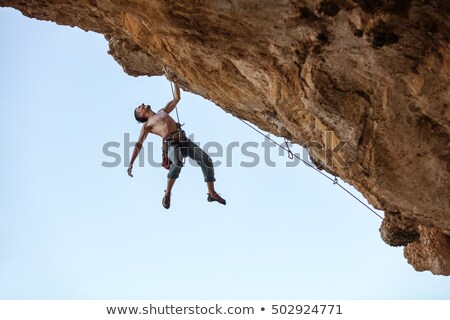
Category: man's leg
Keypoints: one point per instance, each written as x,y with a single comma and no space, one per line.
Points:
170,183
213,195
206,164
210,185
175,157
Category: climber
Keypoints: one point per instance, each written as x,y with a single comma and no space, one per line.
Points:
176,146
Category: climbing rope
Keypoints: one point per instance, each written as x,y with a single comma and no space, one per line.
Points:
179,125
176,109
291,155
166,72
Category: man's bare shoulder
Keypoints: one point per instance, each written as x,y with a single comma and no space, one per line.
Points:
162,111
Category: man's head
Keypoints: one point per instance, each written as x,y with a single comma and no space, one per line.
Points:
142,113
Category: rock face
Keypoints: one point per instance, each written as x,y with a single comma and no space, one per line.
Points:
363,84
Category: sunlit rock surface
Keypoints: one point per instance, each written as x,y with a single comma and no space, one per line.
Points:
363,84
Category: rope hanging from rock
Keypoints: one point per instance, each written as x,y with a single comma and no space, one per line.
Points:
176,108
291,155
166,72
179,125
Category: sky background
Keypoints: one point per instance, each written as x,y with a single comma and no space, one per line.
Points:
71,228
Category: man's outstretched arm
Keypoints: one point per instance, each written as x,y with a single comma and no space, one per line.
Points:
176,97
137,149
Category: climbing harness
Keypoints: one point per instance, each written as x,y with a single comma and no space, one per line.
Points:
291,155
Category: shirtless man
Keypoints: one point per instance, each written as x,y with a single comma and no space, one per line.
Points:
175,145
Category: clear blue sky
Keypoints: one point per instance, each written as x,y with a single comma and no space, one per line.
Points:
71,228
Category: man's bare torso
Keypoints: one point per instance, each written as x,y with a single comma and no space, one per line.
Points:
161,124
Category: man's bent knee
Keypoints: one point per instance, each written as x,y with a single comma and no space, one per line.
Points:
174,171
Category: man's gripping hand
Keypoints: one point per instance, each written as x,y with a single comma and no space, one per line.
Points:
130,169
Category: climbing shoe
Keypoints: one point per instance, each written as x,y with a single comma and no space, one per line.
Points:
166,200
217,198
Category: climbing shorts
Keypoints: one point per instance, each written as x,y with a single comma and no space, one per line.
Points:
178,150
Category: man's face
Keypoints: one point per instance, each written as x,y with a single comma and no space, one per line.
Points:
141,110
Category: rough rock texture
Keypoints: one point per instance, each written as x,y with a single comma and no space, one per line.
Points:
430,252
372,73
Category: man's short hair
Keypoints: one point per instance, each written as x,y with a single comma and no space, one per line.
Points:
139,119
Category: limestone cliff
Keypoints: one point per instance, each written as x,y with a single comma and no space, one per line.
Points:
373,73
